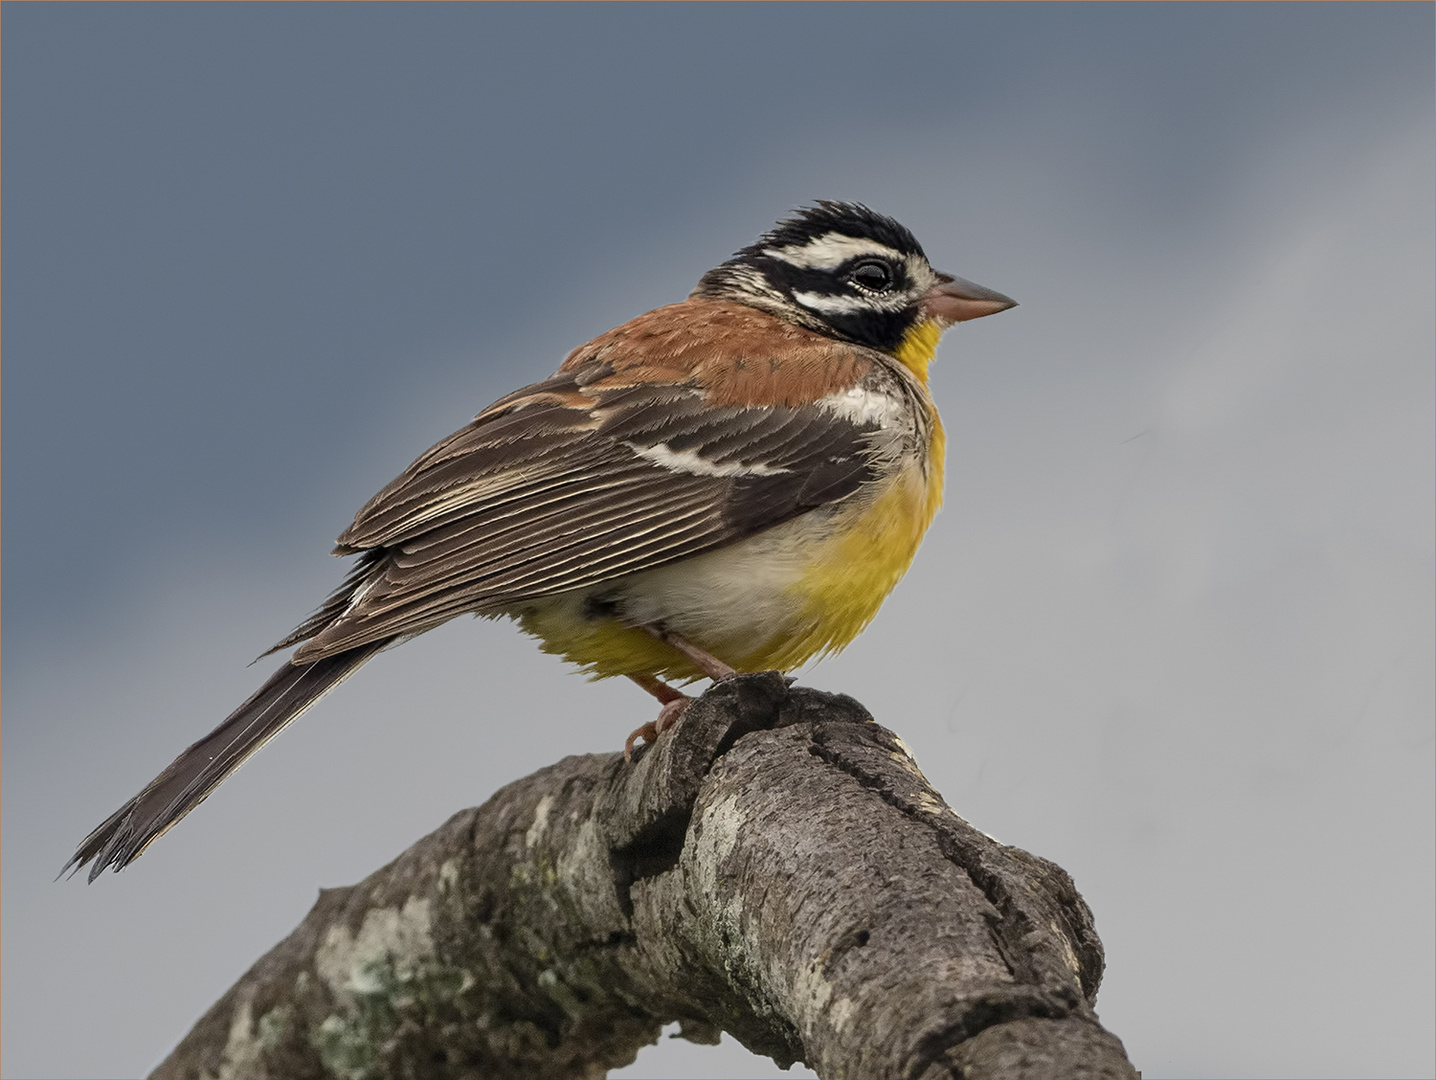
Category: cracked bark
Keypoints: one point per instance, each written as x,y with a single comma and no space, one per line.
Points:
775,867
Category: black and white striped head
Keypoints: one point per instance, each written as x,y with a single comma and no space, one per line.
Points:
844,270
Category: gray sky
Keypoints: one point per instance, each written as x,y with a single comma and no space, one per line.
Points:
1172,630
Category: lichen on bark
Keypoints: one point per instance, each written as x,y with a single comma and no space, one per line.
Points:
776,867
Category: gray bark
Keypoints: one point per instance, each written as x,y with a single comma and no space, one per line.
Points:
775,867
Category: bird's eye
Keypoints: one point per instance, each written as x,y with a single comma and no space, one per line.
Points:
872,275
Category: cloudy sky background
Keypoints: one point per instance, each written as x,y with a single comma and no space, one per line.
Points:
1173,629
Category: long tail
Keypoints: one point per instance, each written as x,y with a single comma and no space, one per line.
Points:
125,834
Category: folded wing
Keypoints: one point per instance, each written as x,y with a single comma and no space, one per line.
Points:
575,481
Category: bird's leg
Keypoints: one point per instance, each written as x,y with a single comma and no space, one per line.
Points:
710,665
674,704
674,701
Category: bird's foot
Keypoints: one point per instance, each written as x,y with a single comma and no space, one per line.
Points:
667,717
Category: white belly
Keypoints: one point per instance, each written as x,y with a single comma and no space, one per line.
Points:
737,598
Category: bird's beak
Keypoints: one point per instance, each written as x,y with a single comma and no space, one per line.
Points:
955,300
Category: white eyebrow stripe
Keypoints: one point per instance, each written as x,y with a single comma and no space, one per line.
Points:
689,461
843,305
829,251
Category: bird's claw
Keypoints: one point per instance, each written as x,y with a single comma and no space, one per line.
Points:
649,732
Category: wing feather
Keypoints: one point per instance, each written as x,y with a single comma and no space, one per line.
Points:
578,480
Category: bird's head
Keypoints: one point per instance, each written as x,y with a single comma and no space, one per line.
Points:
849,272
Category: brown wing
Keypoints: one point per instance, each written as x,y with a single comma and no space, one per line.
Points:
621,462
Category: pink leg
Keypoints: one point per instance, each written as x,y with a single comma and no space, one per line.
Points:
707,663
675,702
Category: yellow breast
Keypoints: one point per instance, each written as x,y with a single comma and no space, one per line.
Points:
778,599
853,572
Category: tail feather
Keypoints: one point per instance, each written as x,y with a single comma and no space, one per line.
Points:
125,834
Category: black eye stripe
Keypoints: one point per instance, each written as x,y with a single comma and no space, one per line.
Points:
835,282
774,273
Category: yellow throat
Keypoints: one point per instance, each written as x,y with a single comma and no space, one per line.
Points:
846,575
918,345
852,573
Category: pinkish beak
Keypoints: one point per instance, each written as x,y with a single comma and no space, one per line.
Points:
956,300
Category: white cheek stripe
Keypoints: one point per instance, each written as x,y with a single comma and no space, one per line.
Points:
844,305
689,461
829,251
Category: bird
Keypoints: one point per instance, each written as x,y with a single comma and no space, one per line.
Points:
730,483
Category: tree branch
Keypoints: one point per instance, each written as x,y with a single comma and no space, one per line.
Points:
776,867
